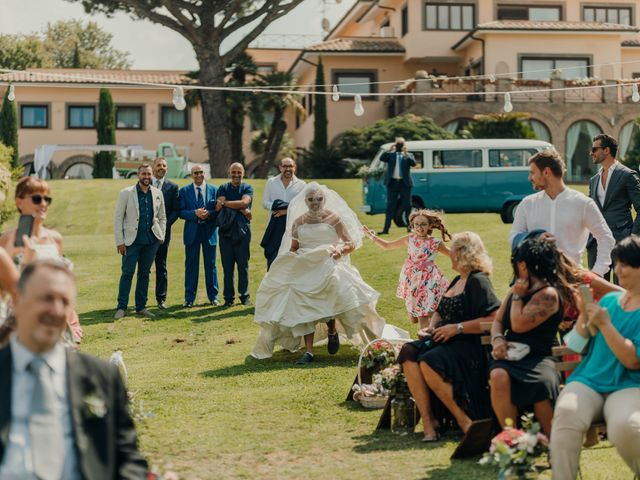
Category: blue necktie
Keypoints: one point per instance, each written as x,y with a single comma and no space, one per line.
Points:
199,200
399,160
45,424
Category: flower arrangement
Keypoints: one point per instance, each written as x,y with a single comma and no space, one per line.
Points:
515,450
392,379
376,172
379,355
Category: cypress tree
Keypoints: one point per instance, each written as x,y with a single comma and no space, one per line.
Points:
106,128
320,140
9,128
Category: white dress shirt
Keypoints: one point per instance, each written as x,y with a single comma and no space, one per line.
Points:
600,191
158,185
570,217
17,463
275,190
396,170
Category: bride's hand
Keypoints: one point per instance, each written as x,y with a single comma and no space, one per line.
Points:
335,252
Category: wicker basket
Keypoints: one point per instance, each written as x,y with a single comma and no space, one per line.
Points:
376,401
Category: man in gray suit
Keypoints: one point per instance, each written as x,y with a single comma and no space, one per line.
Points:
615,189
139,225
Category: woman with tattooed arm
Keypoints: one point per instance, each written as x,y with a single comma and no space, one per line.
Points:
523,372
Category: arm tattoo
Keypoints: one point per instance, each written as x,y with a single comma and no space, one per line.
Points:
540,308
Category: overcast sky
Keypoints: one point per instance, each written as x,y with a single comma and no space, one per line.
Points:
152,46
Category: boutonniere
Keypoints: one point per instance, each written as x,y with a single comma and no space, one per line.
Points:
94,406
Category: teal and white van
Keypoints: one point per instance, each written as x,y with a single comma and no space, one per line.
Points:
476,175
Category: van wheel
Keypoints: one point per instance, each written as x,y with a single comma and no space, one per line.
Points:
509,212
400,219
132,174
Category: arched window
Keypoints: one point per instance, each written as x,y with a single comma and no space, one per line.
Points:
629,139
455,126
578,154
540,129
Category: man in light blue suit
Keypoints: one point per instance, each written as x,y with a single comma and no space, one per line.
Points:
197,209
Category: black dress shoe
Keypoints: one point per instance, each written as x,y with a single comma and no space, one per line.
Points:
382,232
215,303
187,304
162,305
305,359
228,304
334,343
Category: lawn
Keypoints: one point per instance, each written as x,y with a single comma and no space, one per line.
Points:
215,416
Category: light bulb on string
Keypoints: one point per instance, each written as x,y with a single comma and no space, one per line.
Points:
326,26
492,78
358,109
508,107
178,99
336,94
635,95
11,96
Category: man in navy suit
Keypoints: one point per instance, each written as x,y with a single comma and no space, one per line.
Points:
197,208
397,180
615,189
172,210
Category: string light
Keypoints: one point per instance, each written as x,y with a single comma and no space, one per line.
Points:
178,98
508,107
11,96
358,109
492,78
635,95
335,96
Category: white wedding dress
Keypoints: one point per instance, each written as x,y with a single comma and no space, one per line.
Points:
304,290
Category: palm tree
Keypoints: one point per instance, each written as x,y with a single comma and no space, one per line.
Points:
276,104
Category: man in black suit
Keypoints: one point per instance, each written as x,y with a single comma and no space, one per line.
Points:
397,180
63,414
172,209
615,189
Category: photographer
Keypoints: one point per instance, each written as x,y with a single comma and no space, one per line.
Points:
398,181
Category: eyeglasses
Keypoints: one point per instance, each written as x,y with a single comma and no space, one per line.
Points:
595,149
197,173
421,225
37,199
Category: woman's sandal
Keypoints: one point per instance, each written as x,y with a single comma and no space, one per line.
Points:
431,438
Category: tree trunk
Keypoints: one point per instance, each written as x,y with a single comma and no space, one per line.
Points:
271,149
236,127
213,114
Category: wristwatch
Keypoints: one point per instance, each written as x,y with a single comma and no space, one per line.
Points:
460,329
515,296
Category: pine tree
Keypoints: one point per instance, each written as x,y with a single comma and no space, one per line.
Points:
9,128
320,137
106,128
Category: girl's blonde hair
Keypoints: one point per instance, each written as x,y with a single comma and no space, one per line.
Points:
435,219
470,252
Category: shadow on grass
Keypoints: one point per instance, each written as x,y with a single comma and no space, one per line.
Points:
196,314
281,361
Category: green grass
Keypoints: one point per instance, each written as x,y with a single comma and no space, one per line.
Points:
217,417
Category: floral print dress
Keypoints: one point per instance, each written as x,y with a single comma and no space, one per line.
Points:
422,284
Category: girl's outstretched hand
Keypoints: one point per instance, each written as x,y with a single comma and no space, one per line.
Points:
368,232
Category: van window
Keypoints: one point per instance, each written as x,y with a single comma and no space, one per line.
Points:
507,157
457,158
419,156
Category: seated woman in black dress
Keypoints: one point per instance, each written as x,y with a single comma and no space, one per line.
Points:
450,361
530,315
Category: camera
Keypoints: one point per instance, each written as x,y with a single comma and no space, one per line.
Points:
399,147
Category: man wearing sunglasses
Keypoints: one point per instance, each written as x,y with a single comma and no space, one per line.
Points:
139,225
615,189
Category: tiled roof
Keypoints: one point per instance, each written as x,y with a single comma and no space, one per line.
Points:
358,44
77,75
560,26
631,43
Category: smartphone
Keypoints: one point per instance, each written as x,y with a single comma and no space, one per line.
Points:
587,298
25,226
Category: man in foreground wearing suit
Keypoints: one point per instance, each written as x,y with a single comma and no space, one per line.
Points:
63,414
197,208
615,189
398,181
139,225
172,211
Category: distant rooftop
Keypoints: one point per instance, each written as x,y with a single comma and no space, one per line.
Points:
285,41
82,75
562,26
358,44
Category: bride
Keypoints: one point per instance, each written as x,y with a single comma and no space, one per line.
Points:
312,282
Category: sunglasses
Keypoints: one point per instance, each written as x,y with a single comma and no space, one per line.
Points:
198,173
316,199
595,149
37,199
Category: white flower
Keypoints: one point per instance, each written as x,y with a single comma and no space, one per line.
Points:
527,442
94,406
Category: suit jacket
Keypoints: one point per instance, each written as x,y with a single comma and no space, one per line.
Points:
126,217
106,447
622,193
188,213
170,191
405,169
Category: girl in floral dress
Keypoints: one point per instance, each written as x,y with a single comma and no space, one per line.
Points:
422,284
